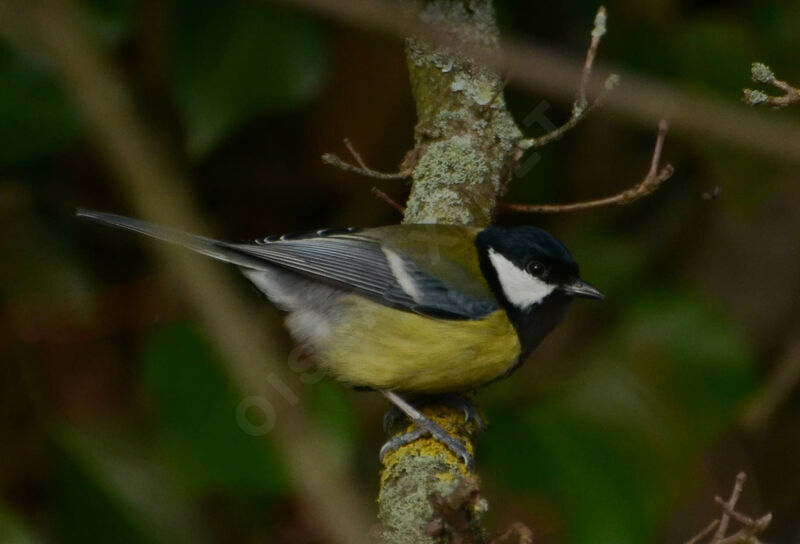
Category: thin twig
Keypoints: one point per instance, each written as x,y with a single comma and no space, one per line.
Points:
498,92
575,119
704,533
761,73
389,200
356,155
754,525
742,536
581,106
652,181
748,534
731,513
361,168
545,71
598,32
722,528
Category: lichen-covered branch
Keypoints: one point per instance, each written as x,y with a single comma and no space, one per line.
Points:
761,73
466,146
465,139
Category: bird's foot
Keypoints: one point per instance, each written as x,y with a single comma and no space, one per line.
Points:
425,427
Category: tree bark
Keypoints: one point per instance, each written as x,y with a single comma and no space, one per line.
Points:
466,147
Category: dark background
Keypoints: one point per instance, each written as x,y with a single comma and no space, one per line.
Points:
117,423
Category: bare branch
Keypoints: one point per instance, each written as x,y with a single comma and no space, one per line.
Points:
356,155
581,106
750,530
747,521
749,533
389,200
652,181
731,504
598,32
704,533
497,93
361,168
761,73
543,70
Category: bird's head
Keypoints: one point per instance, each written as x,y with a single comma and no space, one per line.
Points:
526,266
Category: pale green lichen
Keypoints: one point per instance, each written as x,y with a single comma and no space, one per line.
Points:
600,22
761,73
409,493
459,84
479,90
452,162
465,139
611,82
450,186
754,97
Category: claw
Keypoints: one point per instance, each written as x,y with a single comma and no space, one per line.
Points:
401,440
424,426
440,435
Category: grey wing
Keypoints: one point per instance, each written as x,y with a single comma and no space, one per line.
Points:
353,261
345,259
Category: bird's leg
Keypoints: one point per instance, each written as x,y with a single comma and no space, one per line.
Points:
395,417
424,426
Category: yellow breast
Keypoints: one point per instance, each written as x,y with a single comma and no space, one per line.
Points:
376,346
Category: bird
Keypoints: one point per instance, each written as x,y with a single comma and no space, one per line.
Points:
407,309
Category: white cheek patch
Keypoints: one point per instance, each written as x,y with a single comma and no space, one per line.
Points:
402,276
520,288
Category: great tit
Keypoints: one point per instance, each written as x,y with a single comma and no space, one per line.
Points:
406,309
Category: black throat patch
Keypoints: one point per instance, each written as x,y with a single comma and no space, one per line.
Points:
533,323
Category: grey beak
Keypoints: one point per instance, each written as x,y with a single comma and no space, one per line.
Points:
580,288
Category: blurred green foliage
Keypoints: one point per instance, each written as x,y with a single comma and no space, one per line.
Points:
125,430
614,442
110,486
236,59
195,402
12,530
35,118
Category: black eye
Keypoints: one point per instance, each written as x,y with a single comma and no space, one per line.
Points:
536,268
